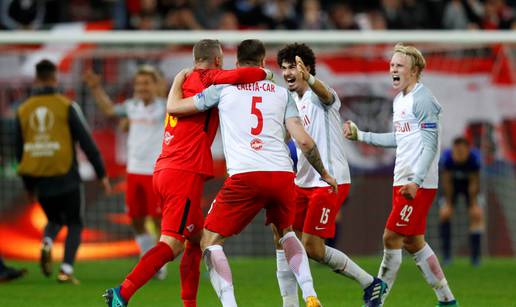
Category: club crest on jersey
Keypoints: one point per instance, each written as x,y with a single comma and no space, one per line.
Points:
256,144
429,125
167,138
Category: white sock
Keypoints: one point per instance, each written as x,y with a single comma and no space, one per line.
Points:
67,268
298,263
390,266
220,275
342,264
429,265
145,242
286,280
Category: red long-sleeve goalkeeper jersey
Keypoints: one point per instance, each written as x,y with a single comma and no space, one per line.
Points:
187,140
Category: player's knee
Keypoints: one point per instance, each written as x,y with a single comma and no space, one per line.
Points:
276,237
413,244
175,245
392,241
314,249
445,213
476,213
210,238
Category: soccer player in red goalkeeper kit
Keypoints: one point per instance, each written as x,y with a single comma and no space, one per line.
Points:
182,168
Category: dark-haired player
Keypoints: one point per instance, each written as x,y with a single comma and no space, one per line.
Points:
460,166
316,204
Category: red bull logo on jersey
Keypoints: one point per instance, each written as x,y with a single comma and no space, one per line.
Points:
402,127
256,144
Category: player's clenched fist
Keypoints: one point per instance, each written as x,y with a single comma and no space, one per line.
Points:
350,130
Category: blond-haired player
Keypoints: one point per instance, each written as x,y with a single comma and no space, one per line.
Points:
416,115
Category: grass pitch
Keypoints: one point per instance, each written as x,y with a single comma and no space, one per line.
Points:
492,284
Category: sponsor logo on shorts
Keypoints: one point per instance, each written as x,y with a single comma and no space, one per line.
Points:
400,225
190,227
319,228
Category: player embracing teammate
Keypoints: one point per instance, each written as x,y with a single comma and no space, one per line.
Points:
183,166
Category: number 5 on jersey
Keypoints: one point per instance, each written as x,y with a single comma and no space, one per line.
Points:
259,116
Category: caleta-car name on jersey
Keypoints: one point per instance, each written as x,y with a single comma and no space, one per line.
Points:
255,87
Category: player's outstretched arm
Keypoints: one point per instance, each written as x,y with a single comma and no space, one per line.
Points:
93,82
317,86
351,132
309,149
241,75
176,105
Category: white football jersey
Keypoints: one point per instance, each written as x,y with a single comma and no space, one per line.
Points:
412,112
146,124
324,124
252,124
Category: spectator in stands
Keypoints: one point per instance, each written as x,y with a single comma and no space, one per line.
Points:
376,20
391,10
146,21
314,18
461,14
48,126
147,17
9,273
211,12
250,14
22,14
342,17
228,21
414,14
461,177
497,15
181,18
282,14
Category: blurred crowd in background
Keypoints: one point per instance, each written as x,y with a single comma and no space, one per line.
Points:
263,14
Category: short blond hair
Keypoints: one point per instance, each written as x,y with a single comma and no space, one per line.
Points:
418,61
148,70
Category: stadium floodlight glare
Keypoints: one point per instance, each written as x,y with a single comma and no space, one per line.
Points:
271,37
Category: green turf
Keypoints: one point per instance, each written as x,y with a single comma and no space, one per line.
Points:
492,284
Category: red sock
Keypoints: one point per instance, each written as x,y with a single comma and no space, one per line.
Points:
147,267
189,269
